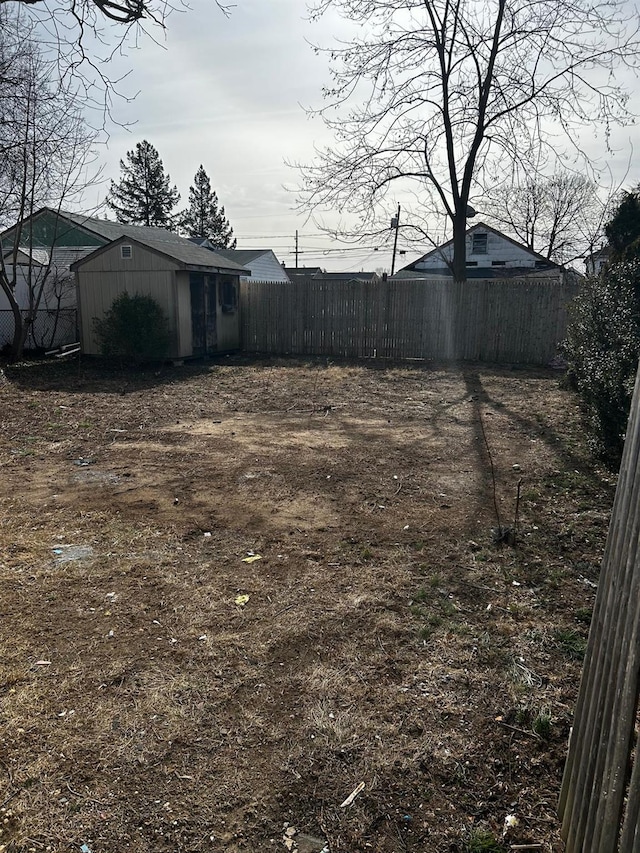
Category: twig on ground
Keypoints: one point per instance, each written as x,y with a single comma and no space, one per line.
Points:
519,731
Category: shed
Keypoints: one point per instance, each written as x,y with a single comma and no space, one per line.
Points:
196,288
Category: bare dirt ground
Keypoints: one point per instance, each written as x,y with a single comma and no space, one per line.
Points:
159,692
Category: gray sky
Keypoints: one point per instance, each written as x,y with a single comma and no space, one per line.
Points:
229,93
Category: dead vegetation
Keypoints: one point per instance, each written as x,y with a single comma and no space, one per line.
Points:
161,693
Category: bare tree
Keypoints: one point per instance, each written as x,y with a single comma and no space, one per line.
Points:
561,217
80,37
443,95
45,149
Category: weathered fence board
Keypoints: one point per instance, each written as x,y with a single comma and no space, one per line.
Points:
516,321
598,799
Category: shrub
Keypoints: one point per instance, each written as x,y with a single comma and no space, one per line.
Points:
134,330
602,349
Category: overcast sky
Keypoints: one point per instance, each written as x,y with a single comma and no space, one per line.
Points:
230,93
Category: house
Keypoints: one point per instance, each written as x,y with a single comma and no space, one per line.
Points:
348,276
490,254
196,288
597,261
298,273
261,263
48,243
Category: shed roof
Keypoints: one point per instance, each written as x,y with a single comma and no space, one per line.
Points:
179,249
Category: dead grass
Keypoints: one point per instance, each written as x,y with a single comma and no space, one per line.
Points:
385,638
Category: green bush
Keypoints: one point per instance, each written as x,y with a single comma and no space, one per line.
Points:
134,330
602,350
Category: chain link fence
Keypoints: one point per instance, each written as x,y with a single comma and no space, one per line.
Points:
50,329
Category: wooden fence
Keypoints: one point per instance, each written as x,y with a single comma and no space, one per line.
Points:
600,799
509,320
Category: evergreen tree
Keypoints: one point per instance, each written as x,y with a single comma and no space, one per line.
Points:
623,232
203,218
144,195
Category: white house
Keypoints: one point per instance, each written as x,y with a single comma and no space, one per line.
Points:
261,263
490,254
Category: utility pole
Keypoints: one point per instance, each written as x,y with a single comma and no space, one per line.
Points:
296,248
395,223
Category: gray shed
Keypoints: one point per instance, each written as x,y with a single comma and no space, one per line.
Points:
197,289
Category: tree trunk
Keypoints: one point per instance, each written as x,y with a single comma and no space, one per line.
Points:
459,262
19,331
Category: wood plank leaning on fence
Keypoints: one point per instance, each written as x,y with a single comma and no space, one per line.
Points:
600,798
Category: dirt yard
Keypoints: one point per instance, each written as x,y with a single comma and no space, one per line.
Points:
234,593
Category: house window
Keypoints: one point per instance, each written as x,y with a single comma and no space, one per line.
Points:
541,265
472,263
479,246
228,294
498,263
126,252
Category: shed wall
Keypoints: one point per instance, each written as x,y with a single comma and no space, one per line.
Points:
98,289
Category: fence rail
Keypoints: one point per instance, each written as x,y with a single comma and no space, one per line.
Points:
50,328
510,320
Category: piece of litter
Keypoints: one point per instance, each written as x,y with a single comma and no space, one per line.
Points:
42,663
515,583
207,535
252,558
406,527
510,822
85,849
202,637
352,796
241,600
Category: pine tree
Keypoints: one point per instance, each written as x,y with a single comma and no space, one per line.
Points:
144,195
623,231
203,218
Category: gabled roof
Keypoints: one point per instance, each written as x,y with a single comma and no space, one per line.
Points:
180,250
243,256
103,228
112,230
437,252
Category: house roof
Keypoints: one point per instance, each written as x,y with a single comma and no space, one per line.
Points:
180,249
302,272
347,276
242,256
112,230
60,257
482,226
104,228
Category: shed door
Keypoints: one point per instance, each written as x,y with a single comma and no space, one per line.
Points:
212,314
198,313
204,332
